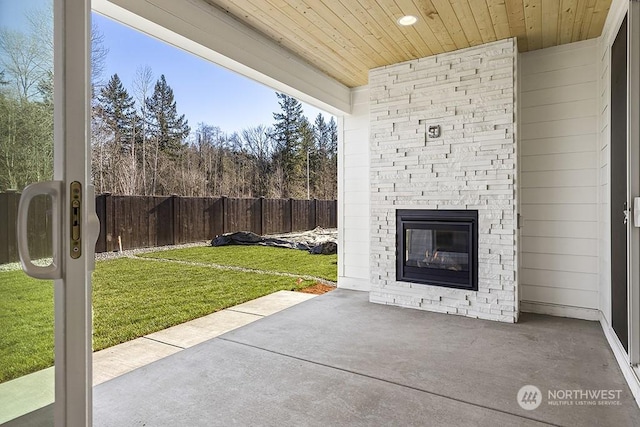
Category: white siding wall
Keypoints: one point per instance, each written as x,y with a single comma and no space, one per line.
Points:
604,228
559,180
353,195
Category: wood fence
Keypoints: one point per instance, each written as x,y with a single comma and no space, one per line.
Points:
149,221
38,227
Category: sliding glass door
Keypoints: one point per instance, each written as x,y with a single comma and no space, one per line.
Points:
47,216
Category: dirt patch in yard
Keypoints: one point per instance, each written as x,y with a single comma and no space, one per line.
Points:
317,289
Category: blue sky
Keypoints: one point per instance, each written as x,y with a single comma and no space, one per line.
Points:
204,92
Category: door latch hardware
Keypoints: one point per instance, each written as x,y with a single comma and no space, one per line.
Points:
76,220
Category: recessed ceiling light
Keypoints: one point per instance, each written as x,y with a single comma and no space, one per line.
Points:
407,20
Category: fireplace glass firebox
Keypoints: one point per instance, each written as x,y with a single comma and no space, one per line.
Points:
438,247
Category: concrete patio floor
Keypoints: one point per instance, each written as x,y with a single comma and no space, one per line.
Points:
339,360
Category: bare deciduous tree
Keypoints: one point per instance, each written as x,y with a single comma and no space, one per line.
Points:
25,61
142,86
260,147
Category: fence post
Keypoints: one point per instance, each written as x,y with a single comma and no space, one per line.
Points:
101,212
109,223
291,213
4,229
261,215
315,213
12,198
224,214
175,218
12,205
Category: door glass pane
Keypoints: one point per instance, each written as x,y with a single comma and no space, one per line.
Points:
26,156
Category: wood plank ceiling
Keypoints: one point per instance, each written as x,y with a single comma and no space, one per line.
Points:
346,38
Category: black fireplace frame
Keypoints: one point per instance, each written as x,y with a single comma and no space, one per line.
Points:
437,218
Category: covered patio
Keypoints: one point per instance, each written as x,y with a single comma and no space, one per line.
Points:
339,360
523,113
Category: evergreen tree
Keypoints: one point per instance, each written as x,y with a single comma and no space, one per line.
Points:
321,161
164,124
322,135
116,108
45,88
309,150
333,139
327,137
288,137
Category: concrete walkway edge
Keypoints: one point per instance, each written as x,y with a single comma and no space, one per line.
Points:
122,358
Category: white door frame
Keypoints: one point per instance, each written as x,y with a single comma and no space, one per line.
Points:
73,374
633,179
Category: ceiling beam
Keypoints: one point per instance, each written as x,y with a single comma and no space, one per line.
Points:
210,33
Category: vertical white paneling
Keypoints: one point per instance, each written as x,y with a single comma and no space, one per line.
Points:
560,158
353,195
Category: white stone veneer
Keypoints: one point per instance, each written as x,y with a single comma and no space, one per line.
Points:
471,94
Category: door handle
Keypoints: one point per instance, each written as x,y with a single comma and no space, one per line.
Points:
54,190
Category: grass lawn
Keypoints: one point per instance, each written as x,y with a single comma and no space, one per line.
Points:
131,298
258,257
26,316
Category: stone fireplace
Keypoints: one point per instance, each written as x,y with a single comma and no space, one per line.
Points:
443,144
